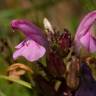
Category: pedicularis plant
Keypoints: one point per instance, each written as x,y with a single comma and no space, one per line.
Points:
67,71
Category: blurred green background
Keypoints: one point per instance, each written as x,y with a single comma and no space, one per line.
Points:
61,13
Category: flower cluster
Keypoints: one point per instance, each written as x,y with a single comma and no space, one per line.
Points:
66,73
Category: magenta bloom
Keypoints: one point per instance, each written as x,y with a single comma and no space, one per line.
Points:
84,36
34,46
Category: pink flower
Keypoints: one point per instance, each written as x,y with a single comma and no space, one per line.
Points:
35,44
84,36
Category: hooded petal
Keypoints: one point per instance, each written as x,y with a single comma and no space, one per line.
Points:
27,27
31,50
30,30
84,33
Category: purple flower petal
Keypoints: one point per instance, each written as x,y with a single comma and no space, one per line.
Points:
34,47
92,45
85,40
20,45
84,33
26,27
31,50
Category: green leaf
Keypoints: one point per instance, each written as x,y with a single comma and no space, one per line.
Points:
1,93
21,82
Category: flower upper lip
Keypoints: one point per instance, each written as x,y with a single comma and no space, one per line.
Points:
84,35
30,30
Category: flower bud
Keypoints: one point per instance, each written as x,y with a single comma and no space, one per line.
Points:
55,64
65,40
72,73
